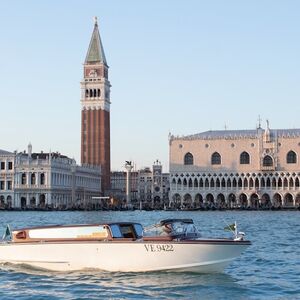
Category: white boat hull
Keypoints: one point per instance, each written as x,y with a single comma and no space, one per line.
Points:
139,256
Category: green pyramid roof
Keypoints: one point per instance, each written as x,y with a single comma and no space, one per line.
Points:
95,52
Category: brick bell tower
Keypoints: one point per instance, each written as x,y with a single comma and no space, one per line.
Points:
95,109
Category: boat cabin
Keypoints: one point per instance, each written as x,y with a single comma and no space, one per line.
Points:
99,232
166,230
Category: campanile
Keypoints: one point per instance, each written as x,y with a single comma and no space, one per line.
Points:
95,109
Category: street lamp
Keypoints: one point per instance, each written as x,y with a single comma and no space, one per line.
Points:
128,167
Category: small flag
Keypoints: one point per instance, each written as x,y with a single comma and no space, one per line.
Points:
7,233
230,227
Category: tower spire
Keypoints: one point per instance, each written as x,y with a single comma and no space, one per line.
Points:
95,52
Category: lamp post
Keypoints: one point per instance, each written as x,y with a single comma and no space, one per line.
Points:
128,167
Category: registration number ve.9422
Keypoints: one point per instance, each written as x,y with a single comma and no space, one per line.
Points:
159,248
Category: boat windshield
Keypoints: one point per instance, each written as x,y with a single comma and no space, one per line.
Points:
126,230
183,229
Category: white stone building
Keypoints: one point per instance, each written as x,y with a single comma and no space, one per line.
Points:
236,168
7,160
47,180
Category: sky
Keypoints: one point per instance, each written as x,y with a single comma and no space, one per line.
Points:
179,67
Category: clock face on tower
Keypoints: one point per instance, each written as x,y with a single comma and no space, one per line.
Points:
93,73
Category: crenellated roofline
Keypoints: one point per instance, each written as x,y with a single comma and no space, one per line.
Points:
238,134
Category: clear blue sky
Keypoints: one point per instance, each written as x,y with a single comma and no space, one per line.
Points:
178,66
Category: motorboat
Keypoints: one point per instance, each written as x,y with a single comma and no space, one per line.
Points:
171,244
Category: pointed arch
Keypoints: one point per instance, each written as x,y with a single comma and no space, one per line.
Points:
288,200
244,158
268,161
243,200
291,157
218,183
206,183
190,182
291,183
240,183
266,201
277,200
251,183
201,182
228,183
234,183
212,183
223,183
196,182
198,200
188,159
210,198
216,158
279,182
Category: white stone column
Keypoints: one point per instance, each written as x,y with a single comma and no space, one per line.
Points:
128,168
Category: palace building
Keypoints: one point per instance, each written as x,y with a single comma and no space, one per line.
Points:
236,168
95,109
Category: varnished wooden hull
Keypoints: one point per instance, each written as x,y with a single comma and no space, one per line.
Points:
202,256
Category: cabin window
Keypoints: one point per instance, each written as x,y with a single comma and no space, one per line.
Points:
127,231
138,230
115,231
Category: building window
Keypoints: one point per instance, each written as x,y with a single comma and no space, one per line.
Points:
267,161
23,179
189,159
2,185
42,179
291,157
244,158
33,181
216,159
9,185
10,165
2,165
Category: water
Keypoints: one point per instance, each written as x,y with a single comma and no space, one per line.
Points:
269,269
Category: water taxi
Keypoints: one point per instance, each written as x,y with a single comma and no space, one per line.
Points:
172,244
